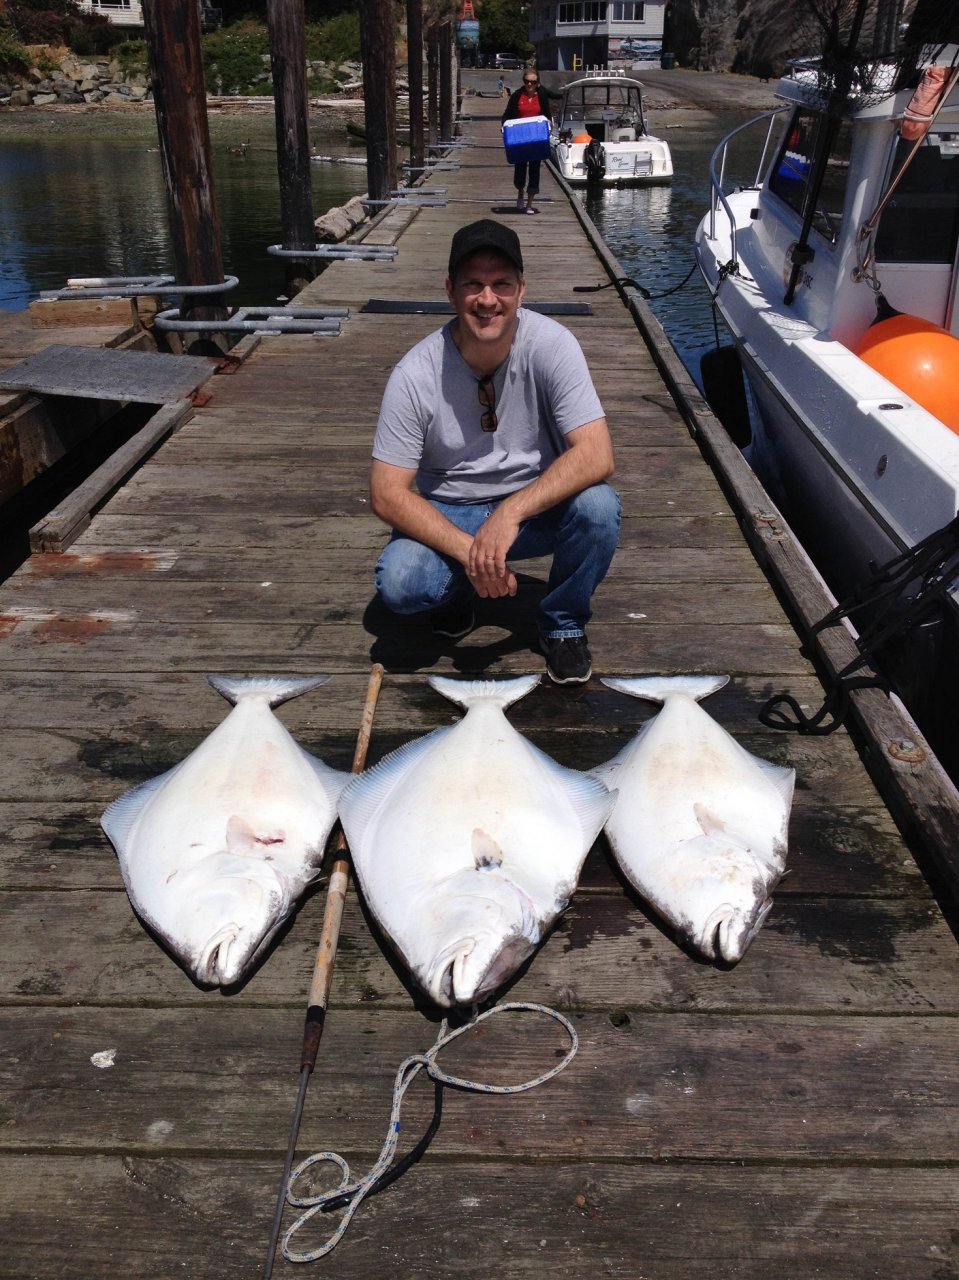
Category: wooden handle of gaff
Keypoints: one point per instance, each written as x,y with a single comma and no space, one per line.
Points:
336,897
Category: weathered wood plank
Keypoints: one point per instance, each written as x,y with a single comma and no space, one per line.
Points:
855,851
107,701
63,525
331,641
661,1085
656,603
287,535
257,564
841,955
447,1219
78,764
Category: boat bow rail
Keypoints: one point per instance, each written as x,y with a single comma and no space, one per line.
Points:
717,180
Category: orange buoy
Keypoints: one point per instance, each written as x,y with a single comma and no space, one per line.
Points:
920,358
583,137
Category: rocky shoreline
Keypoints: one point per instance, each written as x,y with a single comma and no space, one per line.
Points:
64,79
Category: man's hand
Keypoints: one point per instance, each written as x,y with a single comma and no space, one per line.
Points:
486,564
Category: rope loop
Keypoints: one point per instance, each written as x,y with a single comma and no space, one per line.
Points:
357,1189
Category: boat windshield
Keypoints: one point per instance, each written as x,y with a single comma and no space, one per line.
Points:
791,175
599,101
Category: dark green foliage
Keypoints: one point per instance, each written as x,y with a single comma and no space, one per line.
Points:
337,40
132,56
233,58
13,56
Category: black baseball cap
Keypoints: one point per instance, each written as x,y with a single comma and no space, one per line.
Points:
485,234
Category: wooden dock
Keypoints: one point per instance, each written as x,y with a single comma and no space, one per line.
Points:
794,1115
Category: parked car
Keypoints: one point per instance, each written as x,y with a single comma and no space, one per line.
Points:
508,62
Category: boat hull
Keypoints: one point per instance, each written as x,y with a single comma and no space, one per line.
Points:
645,162
861,472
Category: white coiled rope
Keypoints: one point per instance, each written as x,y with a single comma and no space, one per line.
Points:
406,1073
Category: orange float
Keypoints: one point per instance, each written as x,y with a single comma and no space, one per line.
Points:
583,137
920,358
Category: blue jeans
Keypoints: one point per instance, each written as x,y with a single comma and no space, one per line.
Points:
579,533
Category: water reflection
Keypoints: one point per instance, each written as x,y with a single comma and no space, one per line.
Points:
651,230
79,198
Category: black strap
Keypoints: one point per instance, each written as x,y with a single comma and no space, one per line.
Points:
934,562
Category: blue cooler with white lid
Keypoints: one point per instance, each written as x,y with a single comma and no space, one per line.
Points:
526,138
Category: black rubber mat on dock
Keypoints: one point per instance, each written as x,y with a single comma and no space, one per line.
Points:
402,307
101,373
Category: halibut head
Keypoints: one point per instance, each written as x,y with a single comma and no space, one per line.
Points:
467,843
215,852
700,825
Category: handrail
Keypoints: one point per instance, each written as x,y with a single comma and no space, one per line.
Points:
716,192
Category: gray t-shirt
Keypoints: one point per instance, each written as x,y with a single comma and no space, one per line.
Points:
430,417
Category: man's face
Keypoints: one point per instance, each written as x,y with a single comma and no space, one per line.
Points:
486,295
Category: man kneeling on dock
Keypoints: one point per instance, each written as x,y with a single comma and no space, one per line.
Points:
495,420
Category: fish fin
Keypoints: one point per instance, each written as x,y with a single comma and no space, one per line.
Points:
118,818
486,852
331,780
658,688
591,799
501,692
781,776
709,822
276,689
362,798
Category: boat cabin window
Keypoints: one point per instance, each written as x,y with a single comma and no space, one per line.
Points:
921,221
791,175
600,106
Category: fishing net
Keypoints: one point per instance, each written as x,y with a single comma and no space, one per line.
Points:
868,49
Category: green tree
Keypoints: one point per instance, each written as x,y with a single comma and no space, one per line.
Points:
504,27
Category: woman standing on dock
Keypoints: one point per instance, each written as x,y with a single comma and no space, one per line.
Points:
529,100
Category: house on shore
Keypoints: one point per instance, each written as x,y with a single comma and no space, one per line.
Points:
129,13
577,34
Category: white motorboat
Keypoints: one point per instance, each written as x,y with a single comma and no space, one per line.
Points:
599,135
835,268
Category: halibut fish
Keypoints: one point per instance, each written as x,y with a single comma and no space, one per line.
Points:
215,852
468,842
699,826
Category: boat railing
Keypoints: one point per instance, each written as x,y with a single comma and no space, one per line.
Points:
717,174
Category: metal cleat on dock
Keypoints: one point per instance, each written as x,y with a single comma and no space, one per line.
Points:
131,287
414,203
266,321
339,252
437,166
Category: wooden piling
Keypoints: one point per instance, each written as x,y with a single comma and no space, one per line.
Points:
414,41
447,53
179,95
288,60
378,41
432,82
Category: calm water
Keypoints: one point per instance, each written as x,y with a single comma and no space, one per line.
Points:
650,230
84,196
